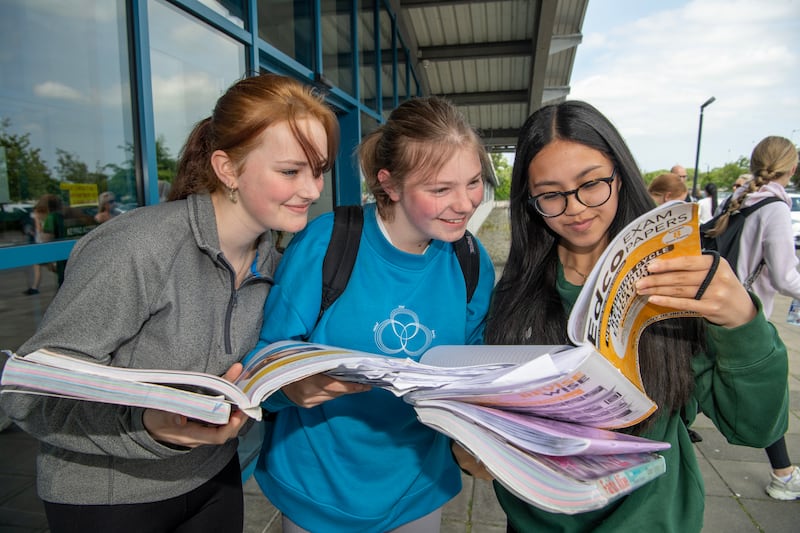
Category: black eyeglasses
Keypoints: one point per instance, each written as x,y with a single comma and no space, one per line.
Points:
593,193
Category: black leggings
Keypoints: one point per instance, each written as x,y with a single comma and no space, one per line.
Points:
217,506
778,454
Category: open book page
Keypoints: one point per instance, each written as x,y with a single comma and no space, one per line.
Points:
545,436
572,383
284,362
550,483
583,388
451,355
608,314
44,372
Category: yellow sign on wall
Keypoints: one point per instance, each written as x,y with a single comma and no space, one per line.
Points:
81,193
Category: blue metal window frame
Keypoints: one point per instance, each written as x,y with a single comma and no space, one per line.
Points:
259,55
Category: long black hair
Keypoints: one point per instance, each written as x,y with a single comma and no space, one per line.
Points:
526,307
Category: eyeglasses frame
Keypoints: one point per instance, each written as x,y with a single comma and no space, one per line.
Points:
566,194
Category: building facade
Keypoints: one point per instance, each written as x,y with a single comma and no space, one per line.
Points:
97,96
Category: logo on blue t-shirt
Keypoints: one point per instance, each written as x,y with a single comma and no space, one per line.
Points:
402,332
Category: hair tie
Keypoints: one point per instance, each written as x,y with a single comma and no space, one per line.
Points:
711,271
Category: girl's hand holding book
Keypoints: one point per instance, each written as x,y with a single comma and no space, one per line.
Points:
177,430
319,388
703,284
469,463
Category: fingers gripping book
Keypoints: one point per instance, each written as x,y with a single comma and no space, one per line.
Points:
538,417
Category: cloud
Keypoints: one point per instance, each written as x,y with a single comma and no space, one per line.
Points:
58,91
649,75
74,9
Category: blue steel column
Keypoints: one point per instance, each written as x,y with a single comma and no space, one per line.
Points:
142,77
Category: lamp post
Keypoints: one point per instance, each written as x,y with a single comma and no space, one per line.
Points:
699,134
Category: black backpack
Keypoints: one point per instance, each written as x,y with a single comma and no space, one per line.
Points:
343,249
726,244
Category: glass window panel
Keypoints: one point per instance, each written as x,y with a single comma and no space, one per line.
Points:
288,26
192,65
65,134
65,113
20,312
337,50
366,53
233,10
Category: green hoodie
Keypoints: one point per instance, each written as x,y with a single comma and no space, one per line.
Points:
740,384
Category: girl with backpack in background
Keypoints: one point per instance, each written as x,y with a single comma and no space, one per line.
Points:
767,239
341,462
575,185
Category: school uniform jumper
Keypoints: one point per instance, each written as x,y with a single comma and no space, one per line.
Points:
362,462
739,384
147,289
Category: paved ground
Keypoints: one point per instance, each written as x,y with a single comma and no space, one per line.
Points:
735,476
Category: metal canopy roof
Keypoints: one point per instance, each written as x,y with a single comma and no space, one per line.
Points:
498,61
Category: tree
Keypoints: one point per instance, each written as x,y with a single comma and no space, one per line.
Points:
650,176
28,175
166,165
724,177
502,171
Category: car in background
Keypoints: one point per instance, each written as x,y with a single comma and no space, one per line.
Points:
795,218
16,218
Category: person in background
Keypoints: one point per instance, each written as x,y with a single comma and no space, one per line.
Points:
708,204
666,187
38,216
106,209
683,175
767,239
189,278
574,186
741,180
342,462
53,229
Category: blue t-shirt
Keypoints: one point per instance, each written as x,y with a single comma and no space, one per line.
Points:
362,462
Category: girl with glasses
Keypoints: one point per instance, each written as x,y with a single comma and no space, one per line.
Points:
574,185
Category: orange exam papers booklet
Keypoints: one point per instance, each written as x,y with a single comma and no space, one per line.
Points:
608,314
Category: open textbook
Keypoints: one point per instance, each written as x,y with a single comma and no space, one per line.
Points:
536,416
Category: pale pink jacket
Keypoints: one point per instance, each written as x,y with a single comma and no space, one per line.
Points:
767,234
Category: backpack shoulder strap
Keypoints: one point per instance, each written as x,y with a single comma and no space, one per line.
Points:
341,253
470,260
340,256
747,210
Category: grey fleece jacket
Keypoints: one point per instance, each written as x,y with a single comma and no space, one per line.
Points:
147,289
